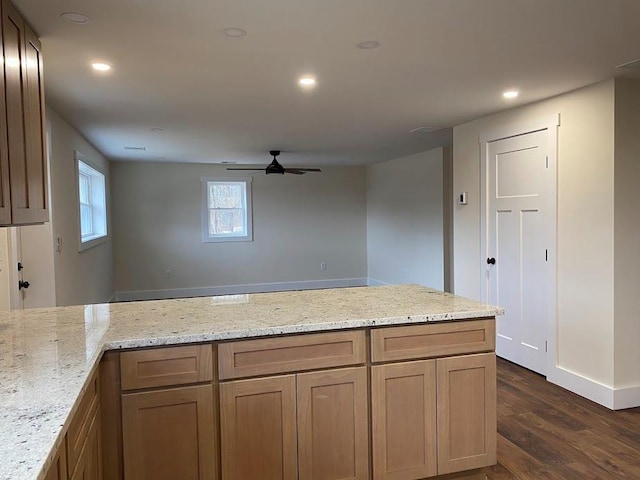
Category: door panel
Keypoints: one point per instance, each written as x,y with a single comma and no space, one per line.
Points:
258,426
168,434
467,426
333,425
518,230
403,403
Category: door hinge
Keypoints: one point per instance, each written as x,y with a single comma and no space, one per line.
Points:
546,255
546,346
547,161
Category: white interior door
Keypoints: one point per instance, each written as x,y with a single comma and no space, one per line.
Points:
520,185
33,279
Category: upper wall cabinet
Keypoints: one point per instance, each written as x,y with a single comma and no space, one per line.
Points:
23,167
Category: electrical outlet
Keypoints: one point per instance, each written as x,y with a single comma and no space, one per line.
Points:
168,273
323,266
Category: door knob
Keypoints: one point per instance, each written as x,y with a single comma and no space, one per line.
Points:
22,285
491,261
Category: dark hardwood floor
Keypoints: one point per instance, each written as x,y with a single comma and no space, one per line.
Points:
546,432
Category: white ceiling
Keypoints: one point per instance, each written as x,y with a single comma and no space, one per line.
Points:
440,63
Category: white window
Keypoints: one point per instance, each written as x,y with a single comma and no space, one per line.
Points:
92,203
226,210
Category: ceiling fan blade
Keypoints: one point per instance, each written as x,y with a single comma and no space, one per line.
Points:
252,169
301,171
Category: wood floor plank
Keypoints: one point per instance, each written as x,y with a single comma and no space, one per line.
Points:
546,432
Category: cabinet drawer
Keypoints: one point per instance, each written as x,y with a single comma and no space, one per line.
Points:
163,367
289,354
432,340
81,423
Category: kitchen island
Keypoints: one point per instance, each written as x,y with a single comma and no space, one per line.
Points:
49,357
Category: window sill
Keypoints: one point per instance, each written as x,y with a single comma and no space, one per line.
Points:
92,243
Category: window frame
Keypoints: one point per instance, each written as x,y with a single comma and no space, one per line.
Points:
206,237
97,182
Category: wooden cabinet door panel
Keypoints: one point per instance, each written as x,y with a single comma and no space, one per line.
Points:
169,434
5,200
34,120
466,412
89,465
58,469
258,427
333,425
403,403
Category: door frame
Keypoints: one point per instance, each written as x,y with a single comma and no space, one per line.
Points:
551,124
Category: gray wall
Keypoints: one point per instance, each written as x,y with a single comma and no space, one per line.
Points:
81,277
627,234
405,237
298,222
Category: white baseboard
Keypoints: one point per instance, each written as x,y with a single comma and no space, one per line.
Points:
372,282
628,397
583,386
238,289
613,398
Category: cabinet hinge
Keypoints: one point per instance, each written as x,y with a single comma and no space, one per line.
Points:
547,161
546,346
546,255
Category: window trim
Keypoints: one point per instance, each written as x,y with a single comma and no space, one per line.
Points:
204,206
98,239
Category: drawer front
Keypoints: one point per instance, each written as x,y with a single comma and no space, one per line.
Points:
290,354
163,367
432,340
81,423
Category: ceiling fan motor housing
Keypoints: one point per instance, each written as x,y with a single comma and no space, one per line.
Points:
274,166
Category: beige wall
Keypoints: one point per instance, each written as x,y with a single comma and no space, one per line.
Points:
627,234
299,222
81,277
405,236
585,234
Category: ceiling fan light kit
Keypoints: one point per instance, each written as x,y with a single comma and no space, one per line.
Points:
275,167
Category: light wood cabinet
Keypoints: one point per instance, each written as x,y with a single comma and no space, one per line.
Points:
433,417
58,469
23,168
89,466
403,403
333,433
466,412
169,434
258,429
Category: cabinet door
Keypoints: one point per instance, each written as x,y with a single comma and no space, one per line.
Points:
333,425
24,119
58,469
89,465
466,412
403,403
169,434
5,201
258,424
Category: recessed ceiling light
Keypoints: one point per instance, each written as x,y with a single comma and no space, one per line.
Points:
157,129
511,94
368,44
101,67
137,149
75,18
234,32
226,162
307,81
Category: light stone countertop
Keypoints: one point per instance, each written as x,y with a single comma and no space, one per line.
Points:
48,355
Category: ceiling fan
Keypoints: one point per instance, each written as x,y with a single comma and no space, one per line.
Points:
275,167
